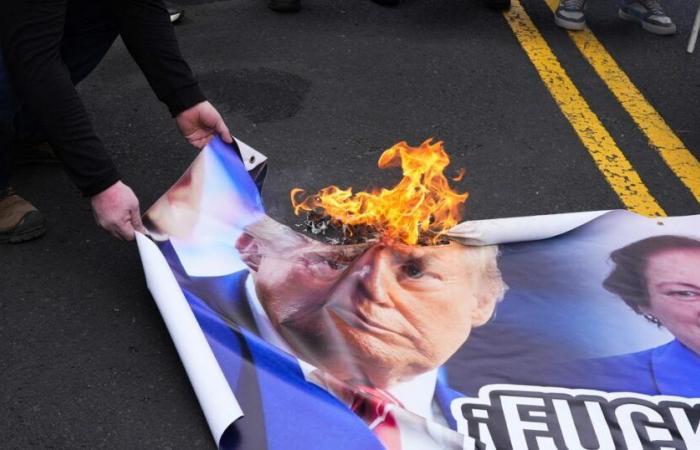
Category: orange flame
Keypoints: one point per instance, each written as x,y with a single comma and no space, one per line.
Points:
421,204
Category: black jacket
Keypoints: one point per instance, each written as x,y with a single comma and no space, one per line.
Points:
34,35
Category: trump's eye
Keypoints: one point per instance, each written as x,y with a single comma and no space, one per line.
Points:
412,270
336,265
324,267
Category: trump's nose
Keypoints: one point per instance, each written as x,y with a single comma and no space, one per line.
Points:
375,274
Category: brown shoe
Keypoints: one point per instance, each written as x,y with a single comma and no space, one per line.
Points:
19,220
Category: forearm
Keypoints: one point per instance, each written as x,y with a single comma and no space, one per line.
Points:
148,34
31,36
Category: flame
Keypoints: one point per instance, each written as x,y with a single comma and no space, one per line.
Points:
421,204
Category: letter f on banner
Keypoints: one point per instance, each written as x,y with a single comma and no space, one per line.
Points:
517,426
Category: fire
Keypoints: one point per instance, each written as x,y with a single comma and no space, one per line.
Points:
422,204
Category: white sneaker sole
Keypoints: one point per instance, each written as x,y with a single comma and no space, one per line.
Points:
650,27
573,26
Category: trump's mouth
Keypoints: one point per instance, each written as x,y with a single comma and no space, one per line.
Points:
353,316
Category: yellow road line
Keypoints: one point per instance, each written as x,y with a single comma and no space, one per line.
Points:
678,158
617,170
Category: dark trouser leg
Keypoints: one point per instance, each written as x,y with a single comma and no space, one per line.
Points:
7,112
89,32
4,170
19,220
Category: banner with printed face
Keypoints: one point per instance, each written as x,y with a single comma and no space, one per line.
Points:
586,338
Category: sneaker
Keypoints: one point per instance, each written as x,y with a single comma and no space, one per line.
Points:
19,220
649,14
497,4
569,14
284,6
174,11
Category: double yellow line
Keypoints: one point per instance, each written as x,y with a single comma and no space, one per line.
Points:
613,164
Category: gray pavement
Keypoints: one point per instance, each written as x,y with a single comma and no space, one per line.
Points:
85,360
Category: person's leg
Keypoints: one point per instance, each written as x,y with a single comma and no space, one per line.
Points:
8,109
89,33
4,166
19,220
4,170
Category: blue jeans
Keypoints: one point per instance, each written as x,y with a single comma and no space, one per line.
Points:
89,33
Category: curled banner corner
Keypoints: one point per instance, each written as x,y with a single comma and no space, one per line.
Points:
215,396
519,229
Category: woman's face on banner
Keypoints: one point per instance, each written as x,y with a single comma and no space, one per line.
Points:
673,282
378,308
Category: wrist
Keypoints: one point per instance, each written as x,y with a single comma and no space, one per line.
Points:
101,184
184,99
106,192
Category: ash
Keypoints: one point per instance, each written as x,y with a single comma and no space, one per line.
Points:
324,228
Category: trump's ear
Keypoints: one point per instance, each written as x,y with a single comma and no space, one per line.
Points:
486,305
491,291
249,250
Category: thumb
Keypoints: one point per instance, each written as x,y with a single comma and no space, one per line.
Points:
136,220
124,231
223,131
117,232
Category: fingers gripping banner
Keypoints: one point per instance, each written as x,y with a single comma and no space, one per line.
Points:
573,331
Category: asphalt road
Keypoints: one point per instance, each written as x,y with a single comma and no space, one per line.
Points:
85,360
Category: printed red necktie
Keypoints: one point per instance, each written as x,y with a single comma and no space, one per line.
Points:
374,407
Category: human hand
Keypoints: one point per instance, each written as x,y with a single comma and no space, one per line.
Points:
199,123
116,209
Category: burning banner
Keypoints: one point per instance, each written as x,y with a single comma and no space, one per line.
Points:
389,324
421,205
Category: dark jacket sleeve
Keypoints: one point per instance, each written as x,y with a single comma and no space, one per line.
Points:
146,30
31,40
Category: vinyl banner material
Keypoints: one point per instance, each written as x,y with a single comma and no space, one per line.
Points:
573,331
